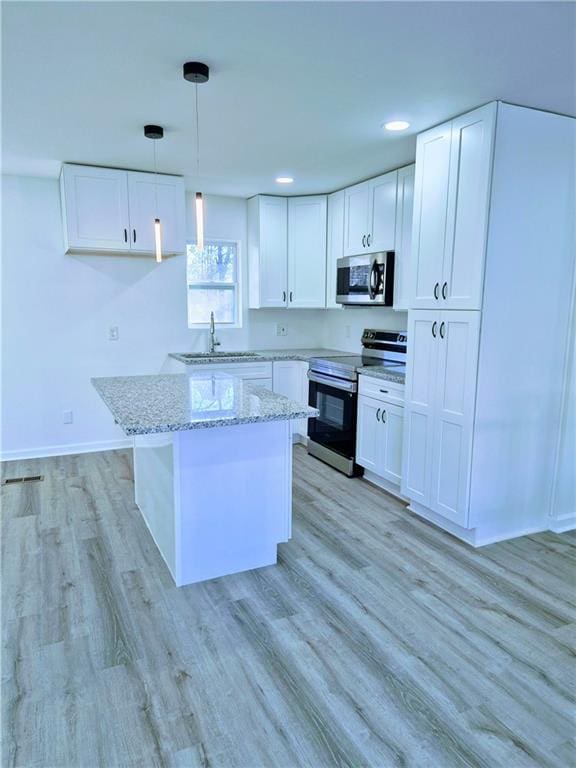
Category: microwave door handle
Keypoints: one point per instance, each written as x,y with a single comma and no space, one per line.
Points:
371,287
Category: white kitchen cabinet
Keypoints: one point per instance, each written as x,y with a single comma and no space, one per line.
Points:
287,252
95,208
156,196
403,257
112,210
334,245
307,252
380,430
290,378
370,215
440,387
382,212
451,204
268,252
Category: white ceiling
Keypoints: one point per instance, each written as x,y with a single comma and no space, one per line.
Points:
296,88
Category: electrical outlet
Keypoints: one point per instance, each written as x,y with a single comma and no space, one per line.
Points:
67,417
281,330
113,333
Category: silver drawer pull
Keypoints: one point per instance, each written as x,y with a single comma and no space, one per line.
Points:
384,391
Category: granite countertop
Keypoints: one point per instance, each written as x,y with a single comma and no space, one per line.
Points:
143,405
388,374
258,356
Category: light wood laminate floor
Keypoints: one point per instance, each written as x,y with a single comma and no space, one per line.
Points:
377,640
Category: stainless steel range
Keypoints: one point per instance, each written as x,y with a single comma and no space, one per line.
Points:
333,390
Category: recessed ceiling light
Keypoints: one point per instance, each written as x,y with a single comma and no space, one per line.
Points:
396,125
284,179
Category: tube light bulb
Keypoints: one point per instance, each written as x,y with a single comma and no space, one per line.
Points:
199,221
158,240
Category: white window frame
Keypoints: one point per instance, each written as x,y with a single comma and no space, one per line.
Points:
236,286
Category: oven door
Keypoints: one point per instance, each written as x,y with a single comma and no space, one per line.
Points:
335,427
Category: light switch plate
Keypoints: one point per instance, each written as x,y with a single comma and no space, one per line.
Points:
113,333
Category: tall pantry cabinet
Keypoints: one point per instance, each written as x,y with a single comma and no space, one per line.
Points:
489,318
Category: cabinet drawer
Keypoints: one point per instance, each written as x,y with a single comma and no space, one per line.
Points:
387,391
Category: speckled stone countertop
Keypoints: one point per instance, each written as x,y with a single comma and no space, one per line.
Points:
388,374
144,405
257,356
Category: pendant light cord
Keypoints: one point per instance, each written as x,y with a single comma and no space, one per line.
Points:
197,132
155,180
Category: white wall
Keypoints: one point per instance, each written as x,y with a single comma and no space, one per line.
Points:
343,327
57,309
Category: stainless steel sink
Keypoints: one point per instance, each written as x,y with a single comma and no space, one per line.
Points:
223,355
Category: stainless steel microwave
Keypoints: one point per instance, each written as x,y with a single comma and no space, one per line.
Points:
366,279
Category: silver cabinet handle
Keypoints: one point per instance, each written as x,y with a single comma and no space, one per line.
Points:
363,241
134,234
290,295
444,290
434,326
378,415
384,391
125,235
368,240
283,295
436,292
383,417
442,328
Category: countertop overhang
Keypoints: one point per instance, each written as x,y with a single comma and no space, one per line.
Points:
176,402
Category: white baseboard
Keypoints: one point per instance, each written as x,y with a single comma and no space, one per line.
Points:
66,450
562,524
385,485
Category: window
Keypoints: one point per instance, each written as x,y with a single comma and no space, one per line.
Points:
213,283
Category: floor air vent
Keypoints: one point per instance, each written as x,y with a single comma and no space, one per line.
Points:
31,479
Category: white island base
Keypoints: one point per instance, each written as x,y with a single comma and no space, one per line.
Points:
216,501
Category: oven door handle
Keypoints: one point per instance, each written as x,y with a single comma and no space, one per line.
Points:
319,378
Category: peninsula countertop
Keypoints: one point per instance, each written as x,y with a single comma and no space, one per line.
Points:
175,402
256,356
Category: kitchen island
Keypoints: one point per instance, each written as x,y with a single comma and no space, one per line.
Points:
212,467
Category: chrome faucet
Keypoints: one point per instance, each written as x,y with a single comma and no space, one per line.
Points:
213,340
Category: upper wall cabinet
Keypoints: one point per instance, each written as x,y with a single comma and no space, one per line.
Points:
334,245
451,201
110,210
370,215
287,252
402,262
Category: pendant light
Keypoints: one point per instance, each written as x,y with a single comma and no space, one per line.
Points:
196,72
156,132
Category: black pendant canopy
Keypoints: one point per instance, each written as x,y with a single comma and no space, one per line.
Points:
153,131
196,72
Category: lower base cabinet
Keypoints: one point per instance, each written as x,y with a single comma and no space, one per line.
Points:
379,434
290,378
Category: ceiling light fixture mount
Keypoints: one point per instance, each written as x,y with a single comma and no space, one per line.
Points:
396,125
196,72
156,132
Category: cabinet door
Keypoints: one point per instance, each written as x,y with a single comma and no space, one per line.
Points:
334,246
369,434
159,196
289,379
392,421
423,330
307,252
95,206
468,205
403,259
382,212
356,218
429,225
273,251
457,342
